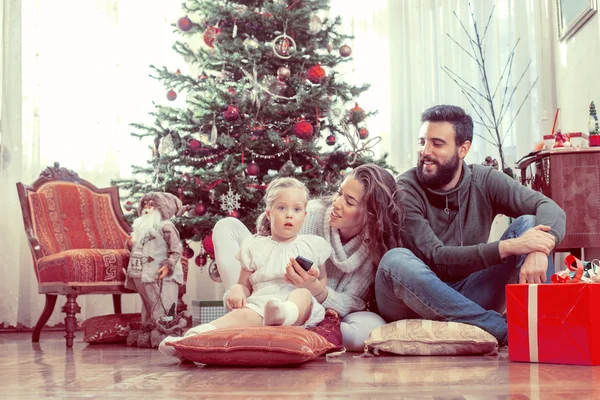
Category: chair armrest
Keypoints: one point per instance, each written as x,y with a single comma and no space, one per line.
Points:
36,248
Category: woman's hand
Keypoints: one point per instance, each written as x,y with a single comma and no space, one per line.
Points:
236,298
298,277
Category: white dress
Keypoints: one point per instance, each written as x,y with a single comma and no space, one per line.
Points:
267,260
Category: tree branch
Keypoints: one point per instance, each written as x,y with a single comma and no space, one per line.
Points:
462,48
513,92
520,107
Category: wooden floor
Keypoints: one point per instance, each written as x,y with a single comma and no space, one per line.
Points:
48,370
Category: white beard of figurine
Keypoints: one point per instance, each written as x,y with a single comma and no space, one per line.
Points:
147,224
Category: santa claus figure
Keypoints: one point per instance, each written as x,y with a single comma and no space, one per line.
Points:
155,270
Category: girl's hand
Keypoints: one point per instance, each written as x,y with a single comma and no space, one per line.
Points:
298,277
235,299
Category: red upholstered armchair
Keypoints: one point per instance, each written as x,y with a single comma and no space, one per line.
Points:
76,234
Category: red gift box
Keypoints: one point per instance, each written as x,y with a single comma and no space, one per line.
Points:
554,323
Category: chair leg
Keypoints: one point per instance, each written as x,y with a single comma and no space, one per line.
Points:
48,308
117,303
70,308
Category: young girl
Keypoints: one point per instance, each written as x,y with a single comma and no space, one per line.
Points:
262,295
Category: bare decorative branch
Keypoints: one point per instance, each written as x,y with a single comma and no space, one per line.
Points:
490,113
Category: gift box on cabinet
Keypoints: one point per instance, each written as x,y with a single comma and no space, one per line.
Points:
553,323
204,312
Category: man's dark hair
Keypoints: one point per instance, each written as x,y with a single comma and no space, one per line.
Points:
460,120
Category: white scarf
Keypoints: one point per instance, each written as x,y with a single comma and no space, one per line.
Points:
346,257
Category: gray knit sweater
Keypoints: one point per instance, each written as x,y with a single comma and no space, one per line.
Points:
350,272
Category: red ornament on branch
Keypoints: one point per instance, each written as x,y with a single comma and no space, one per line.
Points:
184,24
303,129
363,133
330,140
200,209
231,113
201,260
210,34
345,51
315,74
128,206
171,95
253,169
188,252
195,145
357,114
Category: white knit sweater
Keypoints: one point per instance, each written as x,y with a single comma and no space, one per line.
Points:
350,272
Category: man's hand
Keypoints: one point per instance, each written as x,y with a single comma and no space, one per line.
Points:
534,239
236,298
534,268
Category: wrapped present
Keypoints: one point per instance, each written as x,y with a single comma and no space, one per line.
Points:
555,323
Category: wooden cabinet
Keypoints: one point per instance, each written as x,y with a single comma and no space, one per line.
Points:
572,179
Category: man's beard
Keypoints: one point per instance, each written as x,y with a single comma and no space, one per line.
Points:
145,225
444,174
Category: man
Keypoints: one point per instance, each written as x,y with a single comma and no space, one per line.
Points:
448,271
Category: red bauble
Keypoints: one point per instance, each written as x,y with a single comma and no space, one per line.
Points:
210,34
235,214
231,113
330,140
357,114
363,133
128,206
200,209
188,252
315,73
209,248
195,145
253,169
201,260
185,24
303,129
171,95
345,51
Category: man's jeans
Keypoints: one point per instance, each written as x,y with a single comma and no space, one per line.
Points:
406,288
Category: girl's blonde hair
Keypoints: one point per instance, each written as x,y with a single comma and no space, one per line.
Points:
263,225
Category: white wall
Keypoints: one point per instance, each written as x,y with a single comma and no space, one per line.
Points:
577,62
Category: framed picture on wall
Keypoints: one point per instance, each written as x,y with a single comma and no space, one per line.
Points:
572,14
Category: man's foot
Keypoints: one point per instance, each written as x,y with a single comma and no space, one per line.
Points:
280,313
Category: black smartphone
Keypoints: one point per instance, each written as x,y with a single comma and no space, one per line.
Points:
305,263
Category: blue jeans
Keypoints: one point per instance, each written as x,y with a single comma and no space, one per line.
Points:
406,288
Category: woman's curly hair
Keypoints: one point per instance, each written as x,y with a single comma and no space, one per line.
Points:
383,202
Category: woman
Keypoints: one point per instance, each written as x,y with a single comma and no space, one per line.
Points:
361,222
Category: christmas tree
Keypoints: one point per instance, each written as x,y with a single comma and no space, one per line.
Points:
594,127
264,100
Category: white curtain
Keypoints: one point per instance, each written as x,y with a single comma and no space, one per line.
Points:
400,47
73,81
